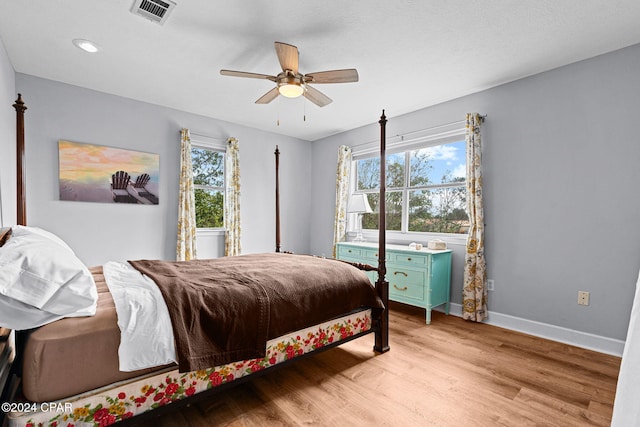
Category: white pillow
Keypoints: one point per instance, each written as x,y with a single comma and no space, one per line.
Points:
23,230
43,280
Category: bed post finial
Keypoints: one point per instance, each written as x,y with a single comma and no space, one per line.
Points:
382,286
277,153
22,201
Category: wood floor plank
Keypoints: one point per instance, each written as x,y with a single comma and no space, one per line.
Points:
449,373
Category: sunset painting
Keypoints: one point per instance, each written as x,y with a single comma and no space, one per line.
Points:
95,173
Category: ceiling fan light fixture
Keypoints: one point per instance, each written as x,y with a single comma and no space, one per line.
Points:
290,90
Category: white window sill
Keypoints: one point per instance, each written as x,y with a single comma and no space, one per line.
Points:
210,231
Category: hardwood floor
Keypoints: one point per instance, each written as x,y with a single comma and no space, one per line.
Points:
449,373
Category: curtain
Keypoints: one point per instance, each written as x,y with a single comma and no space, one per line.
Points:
474,293
232,199
186,247
342,195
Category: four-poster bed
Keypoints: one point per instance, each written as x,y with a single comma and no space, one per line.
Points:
96,392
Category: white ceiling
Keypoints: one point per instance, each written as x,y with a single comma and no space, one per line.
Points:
410,54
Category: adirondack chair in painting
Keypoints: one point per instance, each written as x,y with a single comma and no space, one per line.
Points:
119,183
140,187
142,180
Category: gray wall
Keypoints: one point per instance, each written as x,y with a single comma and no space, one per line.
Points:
7,140
100,232
561,154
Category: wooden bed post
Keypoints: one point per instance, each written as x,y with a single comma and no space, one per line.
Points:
382,286
277,153
22,203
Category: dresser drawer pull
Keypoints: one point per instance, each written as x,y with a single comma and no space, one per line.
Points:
409,259
401,272
400,289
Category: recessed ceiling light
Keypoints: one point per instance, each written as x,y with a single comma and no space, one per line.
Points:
86,45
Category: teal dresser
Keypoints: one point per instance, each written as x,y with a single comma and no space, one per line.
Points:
417,277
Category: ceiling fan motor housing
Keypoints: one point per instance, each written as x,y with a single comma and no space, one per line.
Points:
290,85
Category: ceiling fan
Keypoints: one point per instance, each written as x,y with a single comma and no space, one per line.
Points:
291,84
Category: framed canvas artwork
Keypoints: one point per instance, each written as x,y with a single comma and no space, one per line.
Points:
96,173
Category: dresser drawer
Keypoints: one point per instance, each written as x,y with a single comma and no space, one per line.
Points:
417,260
363,255
371,256
406,283
349,252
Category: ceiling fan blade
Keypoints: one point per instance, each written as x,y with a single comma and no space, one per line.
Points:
333,76
288,56
249,75
317,97
269,96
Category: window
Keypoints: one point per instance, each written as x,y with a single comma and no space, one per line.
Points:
425,189
208,183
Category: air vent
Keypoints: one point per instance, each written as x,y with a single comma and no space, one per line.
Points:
154,10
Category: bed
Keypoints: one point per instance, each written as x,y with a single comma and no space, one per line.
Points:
97,392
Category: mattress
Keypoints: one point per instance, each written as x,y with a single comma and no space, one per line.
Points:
74,355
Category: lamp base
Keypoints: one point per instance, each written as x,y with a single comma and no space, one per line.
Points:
359,238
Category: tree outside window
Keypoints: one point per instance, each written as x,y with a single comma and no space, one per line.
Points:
208,183
425,189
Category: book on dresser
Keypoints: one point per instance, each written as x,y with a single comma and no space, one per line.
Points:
421,278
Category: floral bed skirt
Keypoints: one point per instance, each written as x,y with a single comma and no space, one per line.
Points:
116,402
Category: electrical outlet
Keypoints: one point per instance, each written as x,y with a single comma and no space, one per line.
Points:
490,285
583,298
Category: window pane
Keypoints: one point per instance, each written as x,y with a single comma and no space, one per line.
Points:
393,208
439,210
395,170
368,171
438,164
208,167
209,208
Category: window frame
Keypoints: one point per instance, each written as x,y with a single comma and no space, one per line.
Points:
440,135
208,143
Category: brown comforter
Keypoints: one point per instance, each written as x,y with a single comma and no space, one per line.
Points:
225,309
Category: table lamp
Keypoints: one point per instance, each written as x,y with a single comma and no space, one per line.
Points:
358,204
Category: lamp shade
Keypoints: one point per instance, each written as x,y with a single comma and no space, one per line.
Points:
358,203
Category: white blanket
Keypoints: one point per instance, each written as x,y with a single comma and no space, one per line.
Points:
626,410
143,318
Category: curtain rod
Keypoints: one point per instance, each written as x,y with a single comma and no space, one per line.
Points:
203,135
402,136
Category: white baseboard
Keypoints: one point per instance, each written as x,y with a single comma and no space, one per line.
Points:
551,332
